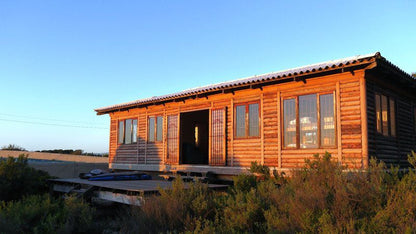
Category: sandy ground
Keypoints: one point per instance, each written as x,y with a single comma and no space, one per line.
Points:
61,165
50,156
67,169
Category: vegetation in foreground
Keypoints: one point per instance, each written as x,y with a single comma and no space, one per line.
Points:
320,198
27,207
17,179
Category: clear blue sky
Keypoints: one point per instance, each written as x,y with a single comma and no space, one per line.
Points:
61,59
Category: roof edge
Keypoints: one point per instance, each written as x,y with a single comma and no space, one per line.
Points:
279,75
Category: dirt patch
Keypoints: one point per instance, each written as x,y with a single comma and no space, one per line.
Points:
60,165
59,157
67,169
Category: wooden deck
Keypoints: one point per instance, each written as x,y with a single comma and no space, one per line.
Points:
128,186
131,192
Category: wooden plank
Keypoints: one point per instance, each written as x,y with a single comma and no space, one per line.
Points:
164,135
142,186
178,155
232,132
210,135
137,139
224,133
146,136
338,117
261,119
279,132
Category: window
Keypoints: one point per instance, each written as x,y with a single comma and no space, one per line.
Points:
247,119
308,118
308,121
121,132
327,119
159,128
289,122
127,131
385,115
155,129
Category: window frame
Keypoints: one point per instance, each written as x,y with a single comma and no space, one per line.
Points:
380,129
155,127
246,120
318,121
124,131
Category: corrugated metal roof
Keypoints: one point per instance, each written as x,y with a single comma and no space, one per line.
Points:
309,69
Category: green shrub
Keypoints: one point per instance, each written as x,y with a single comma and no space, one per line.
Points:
43,214
321,197
399,211
258,168
13,148
178,209
17,179
244,182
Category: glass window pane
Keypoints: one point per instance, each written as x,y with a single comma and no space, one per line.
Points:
121,132
289,122
392,118
151,129
308,121
127,135
240,121
378,113
327,120
384,115
134,133
159,129
253,120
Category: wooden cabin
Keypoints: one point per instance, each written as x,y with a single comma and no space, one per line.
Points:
354,108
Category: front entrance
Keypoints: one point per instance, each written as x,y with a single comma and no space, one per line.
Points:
194,131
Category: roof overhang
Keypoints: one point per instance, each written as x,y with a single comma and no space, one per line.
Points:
350,64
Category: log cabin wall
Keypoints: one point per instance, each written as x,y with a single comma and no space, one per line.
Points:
387,147
267,148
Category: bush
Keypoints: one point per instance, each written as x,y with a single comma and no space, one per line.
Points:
321,197
13,148
43,214
176,210
17,179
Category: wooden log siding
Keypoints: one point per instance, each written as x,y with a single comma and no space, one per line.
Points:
141,139
241,152
392,150
351,139
245,150
270,129
268,148
122,153
113,140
